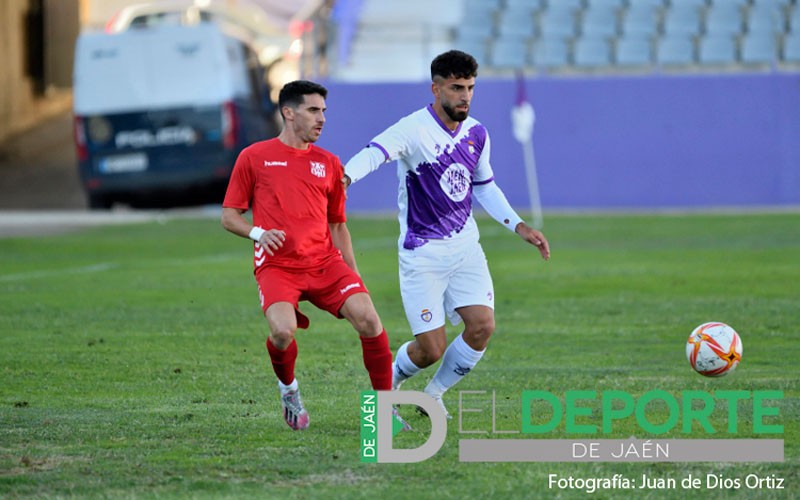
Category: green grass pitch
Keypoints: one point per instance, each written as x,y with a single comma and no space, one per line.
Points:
132,358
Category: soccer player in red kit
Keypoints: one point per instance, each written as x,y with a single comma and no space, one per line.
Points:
302,248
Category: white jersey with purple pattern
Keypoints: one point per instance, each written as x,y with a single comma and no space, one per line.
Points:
437,168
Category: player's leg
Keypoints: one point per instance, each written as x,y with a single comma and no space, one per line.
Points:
341,292
463,353
282,349
478,326
415,355
281,345
360,312
279,296
465,350
469,297
423,281
427,347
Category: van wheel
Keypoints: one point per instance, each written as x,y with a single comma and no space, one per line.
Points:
100,202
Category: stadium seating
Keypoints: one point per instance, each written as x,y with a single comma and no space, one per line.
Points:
527,4
777,3
509,53
633,52
621,34
759,49
557,23
640,20
682,21
723,19
592,52
477,48
791,48
725,3
599,22
475,27
481,7
562,36
675,50
605,4
765,18
687,4
717,49
794,20
516,23
649,3
564,5
549,53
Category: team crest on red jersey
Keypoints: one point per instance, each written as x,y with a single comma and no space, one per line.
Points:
318,168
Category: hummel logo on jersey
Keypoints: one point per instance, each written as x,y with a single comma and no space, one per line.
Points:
318,168
275,163
349,287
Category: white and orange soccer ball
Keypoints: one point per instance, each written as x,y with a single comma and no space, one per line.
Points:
714,349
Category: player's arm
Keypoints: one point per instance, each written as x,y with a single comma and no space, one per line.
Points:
362,164
233,220
496,205
341,240
394,143
535,238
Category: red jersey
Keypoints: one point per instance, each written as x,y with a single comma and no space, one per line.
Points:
295,190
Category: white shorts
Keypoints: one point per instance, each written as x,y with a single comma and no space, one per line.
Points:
438,278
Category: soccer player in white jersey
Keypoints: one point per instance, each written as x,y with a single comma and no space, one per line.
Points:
443,159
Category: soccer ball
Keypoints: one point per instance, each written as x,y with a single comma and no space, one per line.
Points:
714,349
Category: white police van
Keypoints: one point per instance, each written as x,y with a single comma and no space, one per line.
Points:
161,114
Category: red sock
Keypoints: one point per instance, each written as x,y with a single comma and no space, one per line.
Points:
378,361
283,361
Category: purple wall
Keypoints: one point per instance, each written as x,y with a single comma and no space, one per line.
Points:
650,142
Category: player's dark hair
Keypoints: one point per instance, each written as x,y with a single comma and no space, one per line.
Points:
292,94
454,64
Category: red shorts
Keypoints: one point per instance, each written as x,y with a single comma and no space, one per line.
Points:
327,287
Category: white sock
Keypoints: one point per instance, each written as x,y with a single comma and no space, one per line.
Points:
287,388
458,360
403,368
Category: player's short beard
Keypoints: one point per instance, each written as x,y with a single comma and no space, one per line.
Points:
306,135
456,116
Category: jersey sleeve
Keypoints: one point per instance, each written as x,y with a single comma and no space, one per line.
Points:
392,144
241,184
495,203
336,195
483,171
397,141
364,163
